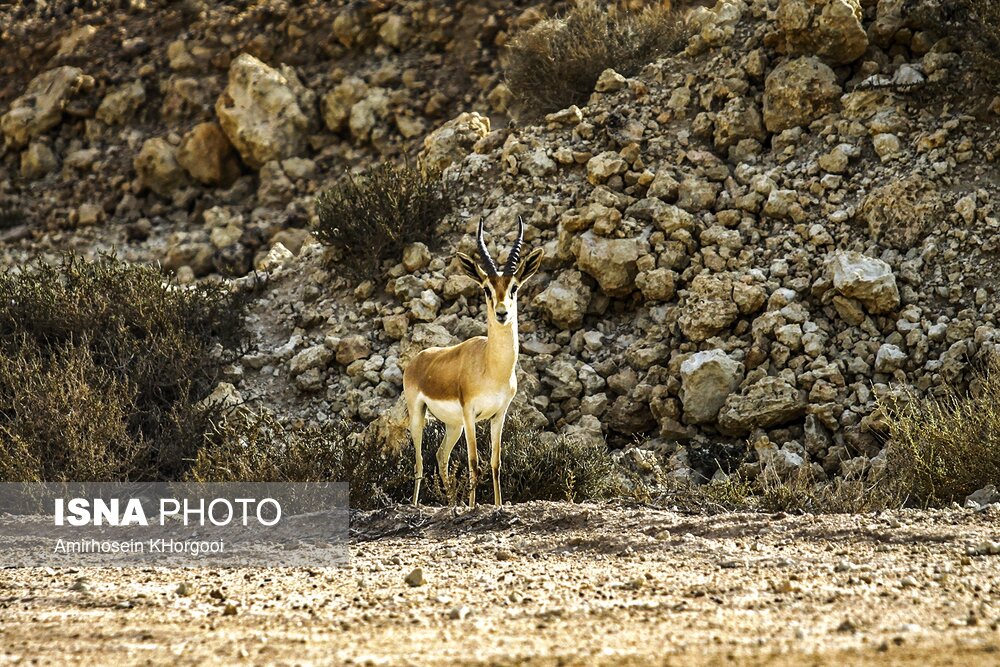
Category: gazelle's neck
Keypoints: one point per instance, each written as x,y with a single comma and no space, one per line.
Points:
502,347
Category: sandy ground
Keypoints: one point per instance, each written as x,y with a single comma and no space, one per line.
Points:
548,584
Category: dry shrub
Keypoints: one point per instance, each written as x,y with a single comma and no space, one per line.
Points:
255,446
980,37
370,217
123,346
566,467
534,466
943,448
63,418
556,62
799,492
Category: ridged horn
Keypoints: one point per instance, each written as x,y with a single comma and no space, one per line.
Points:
484,254
514,258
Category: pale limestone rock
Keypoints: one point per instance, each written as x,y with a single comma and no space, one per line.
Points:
260,112
707,379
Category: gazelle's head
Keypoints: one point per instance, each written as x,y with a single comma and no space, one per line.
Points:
499,286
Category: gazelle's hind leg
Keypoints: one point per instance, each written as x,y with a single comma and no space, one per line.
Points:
452,432
417,418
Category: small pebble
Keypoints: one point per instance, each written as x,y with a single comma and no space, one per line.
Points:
416,577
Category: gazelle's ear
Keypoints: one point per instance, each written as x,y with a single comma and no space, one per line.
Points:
470,268
529,265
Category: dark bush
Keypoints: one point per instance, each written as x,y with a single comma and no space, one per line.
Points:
979,36
10,215
123,344
941,449
556,62
370,217
561,468
535,466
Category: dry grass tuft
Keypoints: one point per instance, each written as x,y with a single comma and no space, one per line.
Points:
556,62
941,449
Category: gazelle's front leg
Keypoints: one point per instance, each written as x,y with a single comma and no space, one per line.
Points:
469,415
417,419
496,433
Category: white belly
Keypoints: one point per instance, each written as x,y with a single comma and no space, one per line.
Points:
484,405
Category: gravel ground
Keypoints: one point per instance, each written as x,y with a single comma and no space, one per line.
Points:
548,584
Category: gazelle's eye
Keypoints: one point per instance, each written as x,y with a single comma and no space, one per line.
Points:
513,290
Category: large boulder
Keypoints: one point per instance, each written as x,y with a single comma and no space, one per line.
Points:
317,356
707,379
121,104
565,300
337,103
453,141
902,212
604,165
797,92
612,262
768,402
367,114
352,348
158,168
628,415
867,279
41,106
740,119
830,29
38,160
708,308
422,336
207,155
260,111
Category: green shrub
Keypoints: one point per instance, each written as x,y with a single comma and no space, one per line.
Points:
556,62
561,468
370,217
941,449
124,344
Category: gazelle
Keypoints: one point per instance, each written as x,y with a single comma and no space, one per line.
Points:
474,380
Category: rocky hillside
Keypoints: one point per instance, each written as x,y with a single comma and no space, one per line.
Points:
123,122
749,245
